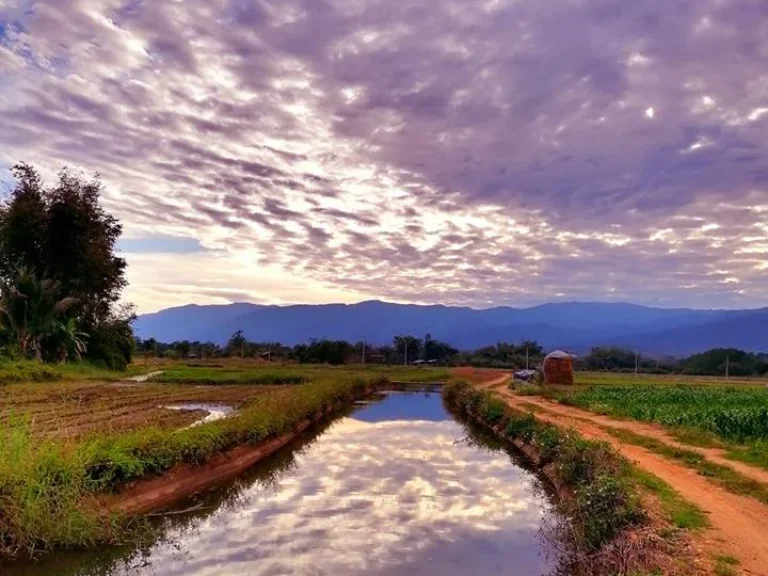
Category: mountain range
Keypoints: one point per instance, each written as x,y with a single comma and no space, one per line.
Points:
574,326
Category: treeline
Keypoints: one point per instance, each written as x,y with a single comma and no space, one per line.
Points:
405,349
715,362
411,349
60,281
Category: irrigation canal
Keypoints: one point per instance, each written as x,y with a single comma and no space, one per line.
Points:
397,486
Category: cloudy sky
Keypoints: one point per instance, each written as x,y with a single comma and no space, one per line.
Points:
464,152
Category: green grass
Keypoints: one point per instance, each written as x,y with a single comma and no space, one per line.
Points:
45,485
214,376
726,565
755,454
682,513
281,375
726,477
28,371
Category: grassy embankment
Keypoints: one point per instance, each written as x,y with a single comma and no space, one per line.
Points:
600,488
48,485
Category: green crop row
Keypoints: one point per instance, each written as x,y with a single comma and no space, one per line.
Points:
737,414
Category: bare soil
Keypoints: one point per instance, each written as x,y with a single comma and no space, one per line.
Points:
739,523
71,410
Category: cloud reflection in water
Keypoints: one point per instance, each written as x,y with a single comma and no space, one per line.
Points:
386,497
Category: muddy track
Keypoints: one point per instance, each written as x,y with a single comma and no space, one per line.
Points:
739,524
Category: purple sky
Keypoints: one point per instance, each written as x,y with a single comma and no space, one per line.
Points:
497,152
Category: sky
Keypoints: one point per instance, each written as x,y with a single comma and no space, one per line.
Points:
498,152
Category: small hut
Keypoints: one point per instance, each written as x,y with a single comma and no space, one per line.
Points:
558,368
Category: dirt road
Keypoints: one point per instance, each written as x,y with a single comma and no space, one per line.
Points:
739,524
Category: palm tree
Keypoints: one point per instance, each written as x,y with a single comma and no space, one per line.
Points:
72,340
29,308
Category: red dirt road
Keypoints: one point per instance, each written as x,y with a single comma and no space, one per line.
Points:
739,523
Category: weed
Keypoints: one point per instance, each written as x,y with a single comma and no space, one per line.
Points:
681,512
728,478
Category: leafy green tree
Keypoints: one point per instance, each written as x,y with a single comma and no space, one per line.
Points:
62,236
29,309
80,244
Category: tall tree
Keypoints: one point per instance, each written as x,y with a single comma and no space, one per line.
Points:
24,226
62,237
80,246
236,344
407,347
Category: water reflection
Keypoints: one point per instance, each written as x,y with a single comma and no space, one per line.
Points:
392,489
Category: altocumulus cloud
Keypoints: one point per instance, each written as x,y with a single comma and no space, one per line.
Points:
475,153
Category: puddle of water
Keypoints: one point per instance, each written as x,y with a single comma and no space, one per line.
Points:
215,411
144,377
398,487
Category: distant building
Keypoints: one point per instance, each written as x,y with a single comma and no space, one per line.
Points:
558,368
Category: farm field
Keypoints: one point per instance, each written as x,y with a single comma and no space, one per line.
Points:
75,409
700,411
617,378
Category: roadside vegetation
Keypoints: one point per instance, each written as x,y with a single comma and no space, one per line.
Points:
600,491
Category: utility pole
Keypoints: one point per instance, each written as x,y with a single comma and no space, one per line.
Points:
363,352
405,362
727,366
637,362
526,357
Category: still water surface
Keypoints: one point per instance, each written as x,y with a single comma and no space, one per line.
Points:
396,487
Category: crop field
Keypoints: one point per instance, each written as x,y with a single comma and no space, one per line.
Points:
616,379
738,414
68,409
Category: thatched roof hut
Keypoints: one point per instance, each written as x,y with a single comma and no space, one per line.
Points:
558,368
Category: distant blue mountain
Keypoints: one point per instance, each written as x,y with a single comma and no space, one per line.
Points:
574,325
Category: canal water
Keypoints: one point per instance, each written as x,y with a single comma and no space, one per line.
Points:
396,487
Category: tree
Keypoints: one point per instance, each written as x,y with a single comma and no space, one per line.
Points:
63,238
23,226
80,244
407,347
111,341
29,309
72,340
237,343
